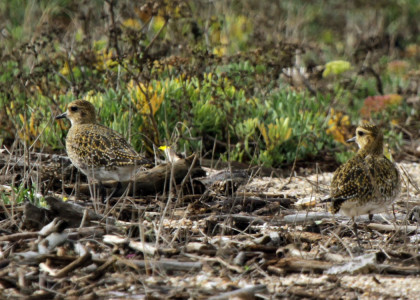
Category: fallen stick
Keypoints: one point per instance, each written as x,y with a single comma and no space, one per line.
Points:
241,219
18,236
303,265
156,180
285,202
304,217
34,258
244,293
391,227
164,264
101,270
81,261
96,231
304,236
73,213
399,270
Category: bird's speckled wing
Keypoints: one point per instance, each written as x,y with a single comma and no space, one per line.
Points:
364,180
346,183
97,145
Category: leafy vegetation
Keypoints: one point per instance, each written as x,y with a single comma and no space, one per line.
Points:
186,74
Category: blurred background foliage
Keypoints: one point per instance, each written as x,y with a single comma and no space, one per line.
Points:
264,82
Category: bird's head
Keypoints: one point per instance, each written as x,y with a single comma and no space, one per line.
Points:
79,112
369,138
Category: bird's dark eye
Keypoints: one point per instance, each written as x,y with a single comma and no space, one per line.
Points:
360,133
74,108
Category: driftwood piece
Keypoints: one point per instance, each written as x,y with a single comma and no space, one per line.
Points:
18,236
95,231
399,270
73,213
244,293
101,270
155,180
362,264
304,236
251,169
239,176
306,217
258,201
393,227
146,248
35,217
295,264
238,218
34,258
72,234
79,262
225,182
163,264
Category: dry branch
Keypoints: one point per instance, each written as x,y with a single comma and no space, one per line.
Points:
81,261
295,264
18,236
163,264
304,236
399,270
102,269
244,293
306,217
74,213
393,227
258,201
157,179
241,219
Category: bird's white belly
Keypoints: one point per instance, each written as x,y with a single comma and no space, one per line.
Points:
121,174
352,209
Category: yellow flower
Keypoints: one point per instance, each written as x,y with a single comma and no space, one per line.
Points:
65,70
338,126
104,60
219,51
275,134
146,98
132,23
29,132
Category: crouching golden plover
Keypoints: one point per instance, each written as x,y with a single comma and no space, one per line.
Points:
368,183
98,151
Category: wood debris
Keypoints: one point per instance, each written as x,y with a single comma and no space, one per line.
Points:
201,239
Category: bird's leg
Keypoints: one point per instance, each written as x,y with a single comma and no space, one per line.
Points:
370,221
355,233
77,190
393,212
102,192
93,192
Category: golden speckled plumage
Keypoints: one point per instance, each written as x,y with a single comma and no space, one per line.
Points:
368,183
96,150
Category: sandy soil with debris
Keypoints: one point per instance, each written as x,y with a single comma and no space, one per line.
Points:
252,242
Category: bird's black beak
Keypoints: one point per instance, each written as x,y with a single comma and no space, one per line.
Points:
352,140
64,115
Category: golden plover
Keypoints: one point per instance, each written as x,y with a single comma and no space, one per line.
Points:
368,183
98,151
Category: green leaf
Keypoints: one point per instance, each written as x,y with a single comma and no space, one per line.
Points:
336,67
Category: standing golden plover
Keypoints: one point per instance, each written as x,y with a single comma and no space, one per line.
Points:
98,151
368,183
